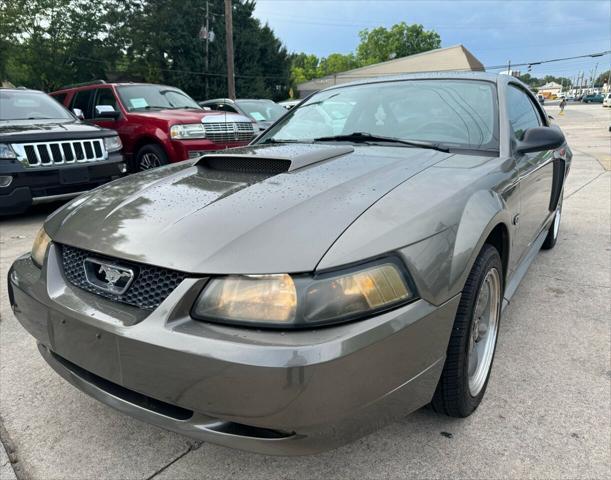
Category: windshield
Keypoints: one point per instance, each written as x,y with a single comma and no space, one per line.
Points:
262,110
459,113
28,105
145,97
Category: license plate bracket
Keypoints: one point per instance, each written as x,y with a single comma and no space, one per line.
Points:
68,176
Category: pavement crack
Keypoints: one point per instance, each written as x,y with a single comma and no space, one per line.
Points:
573,282
11,452
585,185
190,449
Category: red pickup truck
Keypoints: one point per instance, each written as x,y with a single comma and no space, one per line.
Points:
157,124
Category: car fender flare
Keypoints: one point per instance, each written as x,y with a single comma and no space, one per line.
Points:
482,213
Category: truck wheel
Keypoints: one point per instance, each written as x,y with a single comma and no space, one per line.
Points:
472,344
552,233
150,156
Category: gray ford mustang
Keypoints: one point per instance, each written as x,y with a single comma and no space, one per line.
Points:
348,267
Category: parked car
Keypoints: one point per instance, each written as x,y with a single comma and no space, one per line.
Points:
47,154
288,104
541,99
593,98
262,112
297,293
560,95
607,100
157,124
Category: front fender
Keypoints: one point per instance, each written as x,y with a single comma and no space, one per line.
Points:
441,263
482,213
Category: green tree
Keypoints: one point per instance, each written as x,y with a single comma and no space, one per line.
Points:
52,42
304,67
401,40
603,78
336,63
47,43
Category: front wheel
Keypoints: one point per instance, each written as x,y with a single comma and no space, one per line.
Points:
472,344
150,156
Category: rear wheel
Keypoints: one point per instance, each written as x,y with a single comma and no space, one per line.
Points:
554,228
472,344
150,156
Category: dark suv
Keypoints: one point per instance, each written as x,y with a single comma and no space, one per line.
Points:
47,154
157,124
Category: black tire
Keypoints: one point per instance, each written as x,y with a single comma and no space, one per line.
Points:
453,396
554,228
148,157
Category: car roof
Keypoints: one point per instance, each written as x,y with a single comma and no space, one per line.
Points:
229,100
112,84
21,89
449,75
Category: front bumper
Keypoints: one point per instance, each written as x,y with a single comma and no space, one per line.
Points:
186,149
31,186
272,392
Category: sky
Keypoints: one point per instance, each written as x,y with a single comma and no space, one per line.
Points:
496,32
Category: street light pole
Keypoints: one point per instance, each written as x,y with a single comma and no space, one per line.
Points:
229,42
207,57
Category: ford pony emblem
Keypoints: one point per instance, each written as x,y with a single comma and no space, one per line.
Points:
107,276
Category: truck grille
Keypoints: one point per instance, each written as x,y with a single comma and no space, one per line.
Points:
225,132
150,287
48,154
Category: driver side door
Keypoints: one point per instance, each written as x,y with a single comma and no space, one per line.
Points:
535,170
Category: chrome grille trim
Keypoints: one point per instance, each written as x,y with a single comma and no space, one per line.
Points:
229,131
60,152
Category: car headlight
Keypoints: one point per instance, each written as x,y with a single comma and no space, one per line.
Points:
112,144
187,130
39,249
6,152
300,301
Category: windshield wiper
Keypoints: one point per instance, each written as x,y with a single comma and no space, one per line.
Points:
274,140
362,137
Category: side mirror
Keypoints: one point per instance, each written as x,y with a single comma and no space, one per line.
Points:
538,139
106,111
79,113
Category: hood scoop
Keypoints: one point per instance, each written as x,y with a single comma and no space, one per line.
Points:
267,161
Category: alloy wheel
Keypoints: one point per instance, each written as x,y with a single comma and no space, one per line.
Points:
484,326
148,161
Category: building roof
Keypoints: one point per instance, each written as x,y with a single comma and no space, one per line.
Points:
550,85
454,58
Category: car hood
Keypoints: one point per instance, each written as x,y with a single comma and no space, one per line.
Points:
24,130
205,216
187,115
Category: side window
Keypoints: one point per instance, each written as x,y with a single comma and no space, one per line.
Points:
105,96
522,113
82,100
60,97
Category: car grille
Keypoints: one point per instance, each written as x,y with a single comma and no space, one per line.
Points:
150,287
48,154
229,131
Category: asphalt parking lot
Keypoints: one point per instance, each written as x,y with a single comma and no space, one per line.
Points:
546,414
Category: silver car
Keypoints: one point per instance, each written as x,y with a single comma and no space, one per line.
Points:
295,294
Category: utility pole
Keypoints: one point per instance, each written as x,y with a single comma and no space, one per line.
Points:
207,57
229,42
594,76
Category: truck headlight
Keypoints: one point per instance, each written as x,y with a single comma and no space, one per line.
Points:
6,152
187,131
302,300
113,144
39,249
